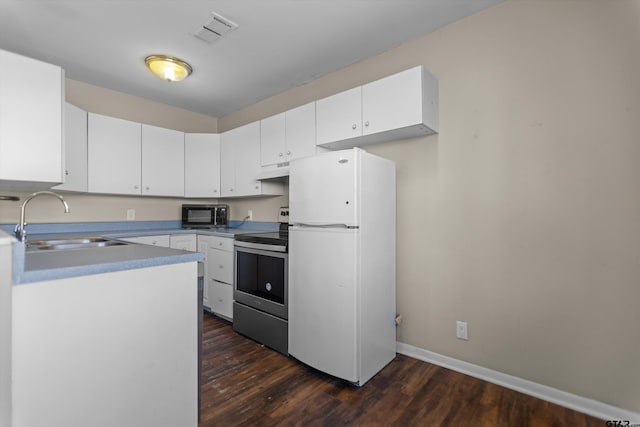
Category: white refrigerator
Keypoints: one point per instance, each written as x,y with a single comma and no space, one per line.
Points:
342,263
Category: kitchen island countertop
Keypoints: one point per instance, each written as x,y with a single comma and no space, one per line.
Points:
48,265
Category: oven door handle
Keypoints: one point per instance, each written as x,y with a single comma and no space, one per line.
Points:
261,246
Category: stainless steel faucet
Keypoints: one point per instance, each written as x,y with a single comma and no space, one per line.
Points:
21,230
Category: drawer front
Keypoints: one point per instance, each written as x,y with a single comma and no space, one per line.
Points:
221,298
222,243
220,265
161,240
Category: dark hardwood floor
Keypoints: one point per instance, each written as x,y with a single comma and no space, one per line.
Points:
244,383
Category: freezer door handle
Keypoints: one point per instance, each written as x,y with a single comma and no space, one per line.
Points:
305,225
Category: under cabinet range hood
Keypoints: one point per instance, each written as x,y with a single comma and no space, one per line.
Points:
278,173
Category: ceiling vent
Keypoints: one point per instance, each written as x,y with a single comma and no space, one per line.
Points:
215,27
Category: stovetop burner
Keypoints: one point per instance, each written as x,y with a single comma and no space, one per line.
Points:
276,238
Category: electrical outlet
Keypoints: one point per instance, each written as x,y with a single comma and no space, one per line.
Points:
461,330
250,215
131,214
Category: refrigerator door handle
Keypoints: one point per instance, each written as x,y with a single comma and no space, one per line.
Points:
304,225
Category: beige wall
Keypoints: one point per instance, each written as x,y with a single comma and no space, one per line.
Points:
117,104
522,217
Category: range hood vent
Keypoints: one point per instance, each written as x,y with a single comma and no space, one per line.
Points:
275,174
214,28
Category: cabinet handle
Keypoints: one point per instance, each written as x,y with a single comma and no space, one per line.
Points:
147,188
366,124
280,154
215,190
257,187
66,172
220,243
353,126
221,266
288,152
135,187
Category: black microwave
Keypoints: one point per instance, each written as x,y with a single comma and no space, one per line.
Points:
205,216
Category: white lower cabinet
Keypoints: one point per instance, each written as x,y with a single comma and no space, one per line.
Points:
161,240
219,276
186,242
221,298
202,243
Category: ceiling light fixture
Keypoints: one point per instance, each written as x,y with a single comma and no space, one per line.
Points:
168,68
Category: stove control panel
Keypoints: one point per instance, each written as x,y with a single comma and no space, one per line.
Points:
283,215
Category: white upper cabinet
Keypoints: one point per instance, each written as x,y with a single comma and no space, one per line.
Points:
201,165
247,159
162,161
339,117
114,152
31,117
273,144
402,100
75,131
403,105
227,164
240,164
301,131
288,136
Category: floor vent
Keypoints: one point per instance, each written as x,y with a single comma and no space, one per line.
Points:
215,27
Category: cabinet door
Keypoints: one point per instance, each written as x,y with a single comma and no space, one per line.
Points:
201,165
202,244
272,140
75,130
227,164
247,159
301,131
393,102
186,242
162,161
31,103
339,117
114,152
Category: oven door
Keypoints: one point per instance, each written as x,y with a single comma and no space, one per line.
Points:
261,280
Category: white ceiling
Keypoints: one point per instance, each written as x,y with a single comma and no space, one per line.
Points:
279,44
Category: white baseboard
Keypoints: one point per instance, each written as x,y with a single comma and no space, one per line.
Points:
582,404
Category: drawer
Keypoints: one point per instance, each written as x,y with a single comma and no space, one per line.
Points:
220,265
222,243
221,298
160,240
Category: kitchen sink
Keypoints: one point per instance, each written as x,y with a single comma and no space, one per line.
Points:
72,243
